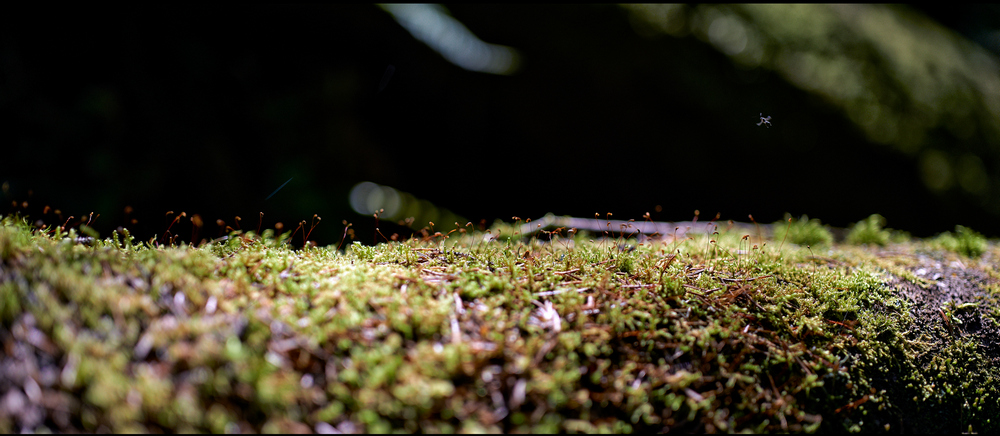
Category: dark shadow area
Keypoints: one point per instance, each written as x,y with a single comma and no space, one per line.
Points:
210,110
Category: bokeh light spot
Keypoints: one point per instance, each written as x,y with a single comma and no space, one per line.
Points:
936,170
972,175
728,34
432,25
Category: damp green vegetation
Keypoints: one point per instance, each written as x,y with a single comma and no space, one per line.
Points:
803,231
869,231
964,241
485,331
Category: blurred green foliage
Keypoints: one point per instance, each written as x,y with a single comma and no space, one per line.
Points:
901,78
803,231
964,241
869,231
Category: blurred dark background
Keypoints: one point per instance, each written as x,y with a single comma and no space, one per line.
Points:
470,112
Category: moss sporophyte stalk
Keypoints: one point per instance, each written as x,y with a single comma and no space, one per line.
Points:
551,325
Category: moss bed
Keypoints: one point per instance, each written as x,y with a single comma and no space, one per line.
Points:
493,331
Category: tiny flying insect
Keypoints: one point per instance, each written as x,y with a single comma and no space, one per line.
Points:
765,120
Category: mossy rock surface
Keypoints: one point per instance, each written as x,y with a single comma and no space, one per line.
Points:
716,332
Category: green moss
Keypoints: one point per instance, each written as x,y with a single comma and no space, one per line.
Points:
964,241
713,333
803,231
869,231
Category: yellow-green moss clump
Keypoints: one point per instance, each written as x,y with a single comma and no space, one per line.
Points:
964,241
710,333
803,231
